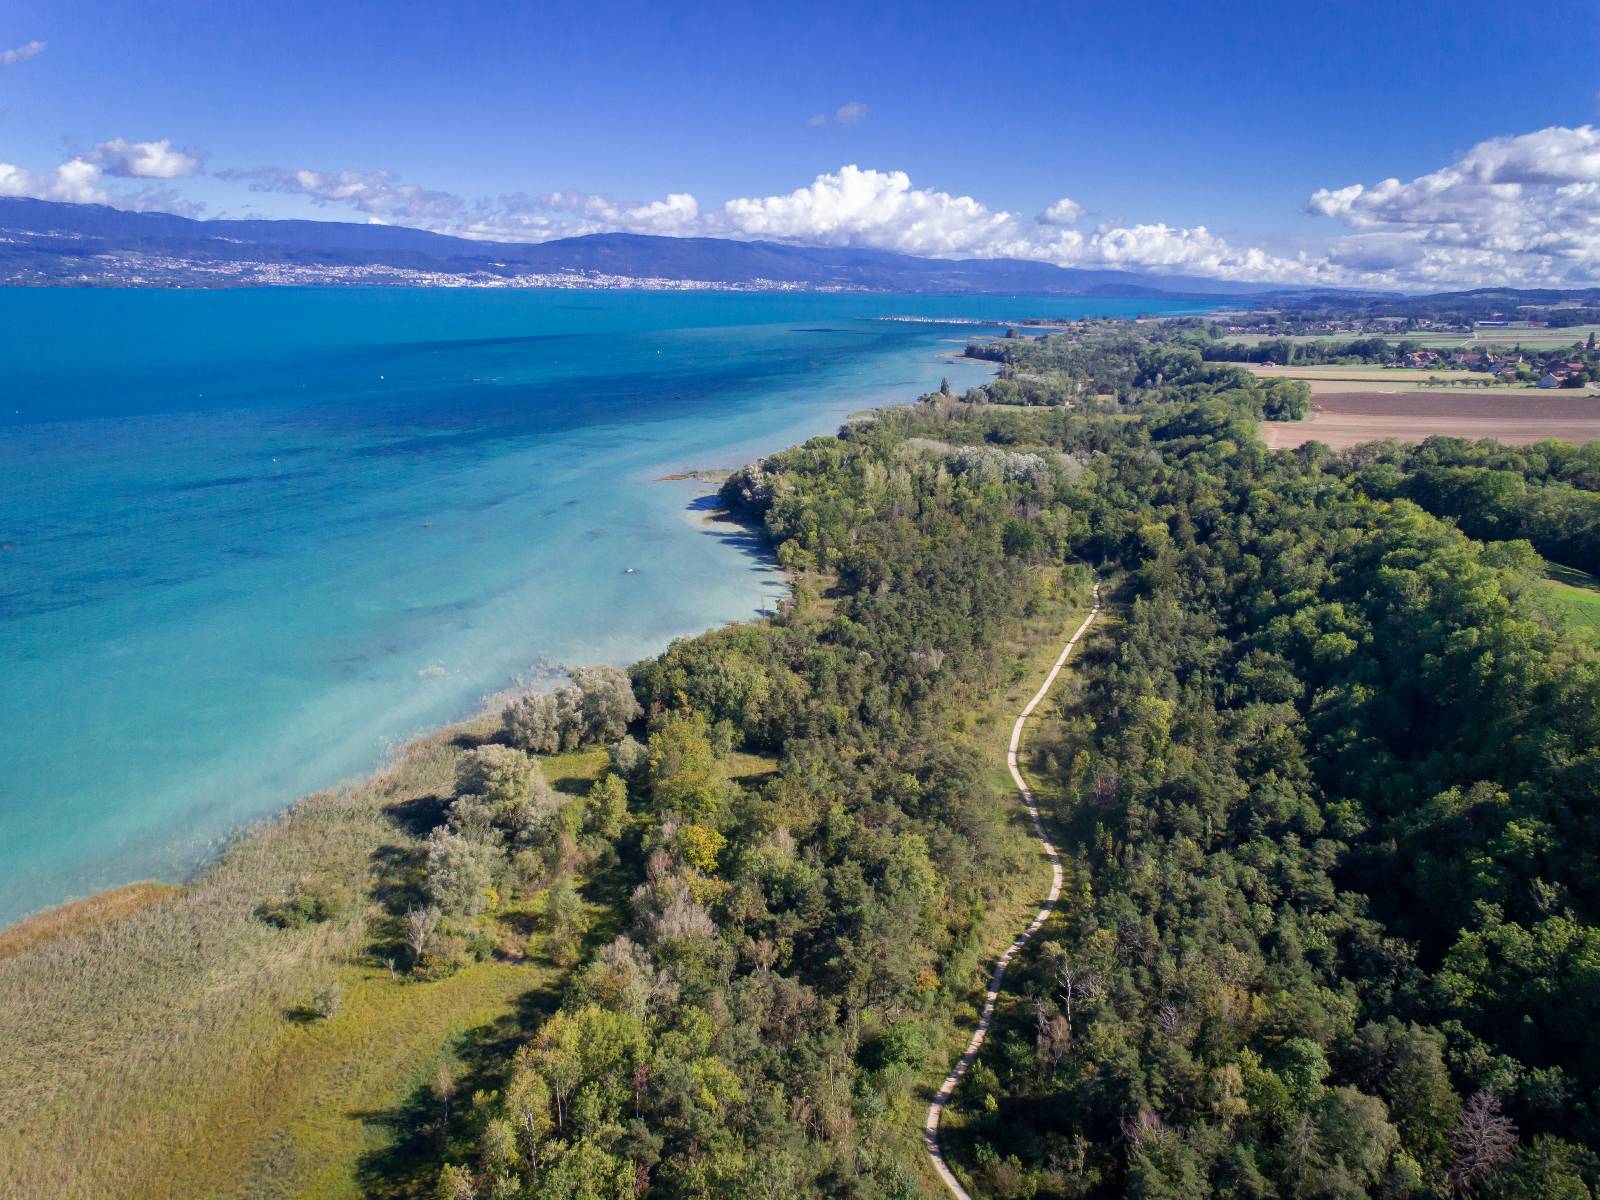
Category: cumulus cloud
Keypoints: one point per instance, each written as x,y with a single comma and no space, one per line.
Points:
881,209
1064,211
1519,209
1512,210
21,53
145,160
82,179
853,206
856,207
74,182
678,214
845,114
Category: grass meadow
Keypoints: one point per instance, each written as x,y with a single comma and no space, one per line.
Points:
1576,599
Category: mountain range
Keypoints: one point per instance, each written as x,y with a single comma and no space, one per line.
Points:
42,242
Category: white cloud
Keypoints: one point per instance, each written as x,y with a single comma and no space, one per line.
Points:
846,114
678,214
855,207
74,182
82,178
21,53
145,160
1522,209
1511,210
376,193
1064,211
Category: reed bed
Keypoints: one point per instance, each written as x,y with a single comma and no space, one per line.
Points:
121,1043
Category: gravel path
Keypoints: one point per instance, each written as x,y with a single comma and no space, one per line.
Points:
947,1088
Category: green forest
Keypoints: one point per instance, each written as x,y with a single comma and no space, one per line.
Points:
1326,784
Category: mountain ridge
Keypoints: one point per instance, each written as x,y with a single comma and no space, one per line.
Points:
46,242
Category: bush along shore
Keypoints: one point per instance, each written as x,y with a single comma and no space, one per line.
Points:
1324,783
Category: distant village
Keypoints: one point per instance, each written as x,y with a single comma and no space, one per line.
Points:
1510,366
1501,357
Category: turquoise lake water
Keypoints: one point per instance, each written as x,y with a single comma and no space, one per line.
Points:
255,539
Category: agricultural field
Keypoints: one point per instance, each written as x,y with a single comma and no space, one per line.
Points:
1428,341
1528,338
1328,380
1534,339
1517,418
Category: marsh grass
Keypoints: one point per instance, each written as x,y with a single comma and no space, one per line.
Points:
78,915
150,1048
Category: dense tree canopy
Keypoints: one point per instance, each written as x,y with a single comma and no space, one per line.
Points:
1327,788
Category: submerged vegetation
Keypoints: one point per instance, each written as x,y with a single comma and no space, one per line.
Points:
1325,781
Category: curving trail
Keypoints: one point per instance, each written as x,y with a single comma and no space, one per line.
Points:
930,1127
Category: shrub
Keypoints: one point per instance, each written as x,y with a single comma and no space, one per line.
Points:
902,1045
596,707
481,944
305,904
606,702
699,846
460,872
606,807
629,758
497,773
326,1002
540,722
446,954
564,923
685,776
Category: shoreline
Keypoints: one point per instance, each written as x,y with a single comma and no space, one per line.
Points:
97,910
84,913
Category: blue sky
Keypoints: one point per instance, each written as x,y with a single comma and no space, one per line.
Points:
1154,120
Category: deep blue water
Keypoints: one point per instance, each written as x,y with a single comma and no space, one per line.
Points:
254,539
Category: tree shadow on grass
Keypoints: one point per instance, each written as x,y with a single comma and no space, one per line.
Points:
418,817
418,1139
572,787
397,887
406,1164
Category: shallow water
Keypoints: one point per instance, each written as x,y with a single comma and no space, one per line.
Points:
254,539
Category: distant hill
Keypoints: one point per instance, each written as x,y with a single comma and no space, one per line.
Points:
1550,306
87,245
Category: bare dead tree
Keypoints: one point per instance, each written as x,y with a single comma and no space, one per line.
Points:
420,924
443,1089
1052,1037
1303,1144
1075,984
1145,1127
1169,1018
1484,1141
